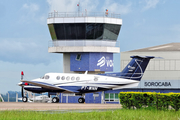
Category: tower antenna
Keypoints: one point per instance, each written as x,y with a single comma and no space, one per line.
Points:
78,5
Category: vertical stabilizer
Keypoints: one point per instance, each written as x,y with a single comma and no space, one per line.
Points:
136,67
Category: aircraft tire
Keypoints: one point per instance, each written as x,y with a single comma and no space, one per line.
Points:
24,99
81,100
55,100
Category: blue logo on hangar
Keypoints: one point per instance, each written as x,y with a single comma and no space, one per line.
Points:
91,61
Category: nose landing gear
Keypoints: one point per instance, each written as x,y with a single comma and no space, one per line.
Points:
24,98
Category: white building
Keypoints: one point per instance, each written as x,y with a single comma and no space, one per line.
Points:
165,68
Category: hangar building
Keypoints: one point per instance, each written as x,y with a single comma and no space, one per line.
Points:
166,67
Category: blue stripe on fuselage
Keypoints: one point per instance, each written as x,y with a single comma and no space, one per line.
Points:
75,89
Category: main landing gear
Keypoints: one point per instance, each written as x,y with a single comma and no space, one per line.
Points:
55,100
81,100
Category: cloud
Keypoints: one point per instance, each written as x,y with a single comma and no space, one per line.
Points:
18,51
89,5
150,4
62,5
71,5
31,7
175,28
31,13
2,11
117,7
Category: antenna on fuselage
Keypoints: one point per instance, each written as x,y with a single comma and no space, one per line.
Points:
86,72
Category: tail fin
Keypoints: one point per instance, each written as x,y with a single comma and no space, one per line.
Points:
136,67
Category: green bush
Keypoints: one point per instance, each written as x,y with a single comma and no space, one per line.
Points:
160,101
175,100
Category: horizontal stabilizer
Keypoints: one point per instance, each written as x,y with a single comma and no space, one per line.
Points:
143,57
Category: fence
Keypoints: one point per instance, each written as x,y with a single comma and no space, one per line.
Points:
17,97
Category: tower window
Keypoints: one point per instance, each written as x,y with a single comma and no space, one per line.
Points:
78,57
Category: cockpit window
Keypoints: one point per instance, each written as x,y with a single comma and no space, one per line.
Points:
42,77
58,77
47,77
77,78
62,78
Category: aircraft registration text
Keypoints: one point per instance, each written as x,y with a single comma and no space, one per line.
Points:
89,88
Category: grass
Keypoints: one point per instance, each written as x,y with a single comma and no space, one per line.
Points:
122,114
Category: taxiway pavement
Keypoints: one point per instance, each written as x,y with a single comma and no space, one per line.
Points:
56,106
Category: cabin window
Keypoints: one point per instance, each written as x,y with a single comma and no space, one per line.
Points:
95,79
47,77
62,78
58,77
78,57
73,78
77,78
67,78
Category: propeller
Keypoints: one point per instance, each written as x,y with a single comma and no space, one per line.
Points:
49,94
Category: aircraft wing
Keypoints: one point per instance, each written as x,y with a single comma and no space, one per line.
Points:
46,85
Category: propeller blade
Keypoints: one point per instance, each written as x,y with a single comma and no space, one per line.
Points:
48,94
22,91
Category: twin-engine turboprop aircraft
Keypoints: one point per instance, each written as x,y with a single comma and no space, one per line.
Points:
79,84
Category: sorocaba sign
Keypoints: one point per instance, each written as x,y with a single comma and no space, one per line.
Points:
157,84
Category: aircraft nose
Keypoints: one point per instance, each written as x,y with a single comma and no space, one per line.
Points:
20,84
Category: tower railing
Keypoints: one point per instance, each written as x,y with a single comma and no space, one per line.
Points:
76,43
82,14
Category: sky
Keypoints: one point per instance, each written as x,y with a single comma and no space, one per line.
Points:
24,34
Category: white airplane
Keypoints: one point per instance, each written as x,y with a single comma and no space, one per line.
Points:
79,84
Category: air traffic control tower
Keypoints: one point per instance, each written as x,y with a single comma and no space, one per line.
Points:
86,40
